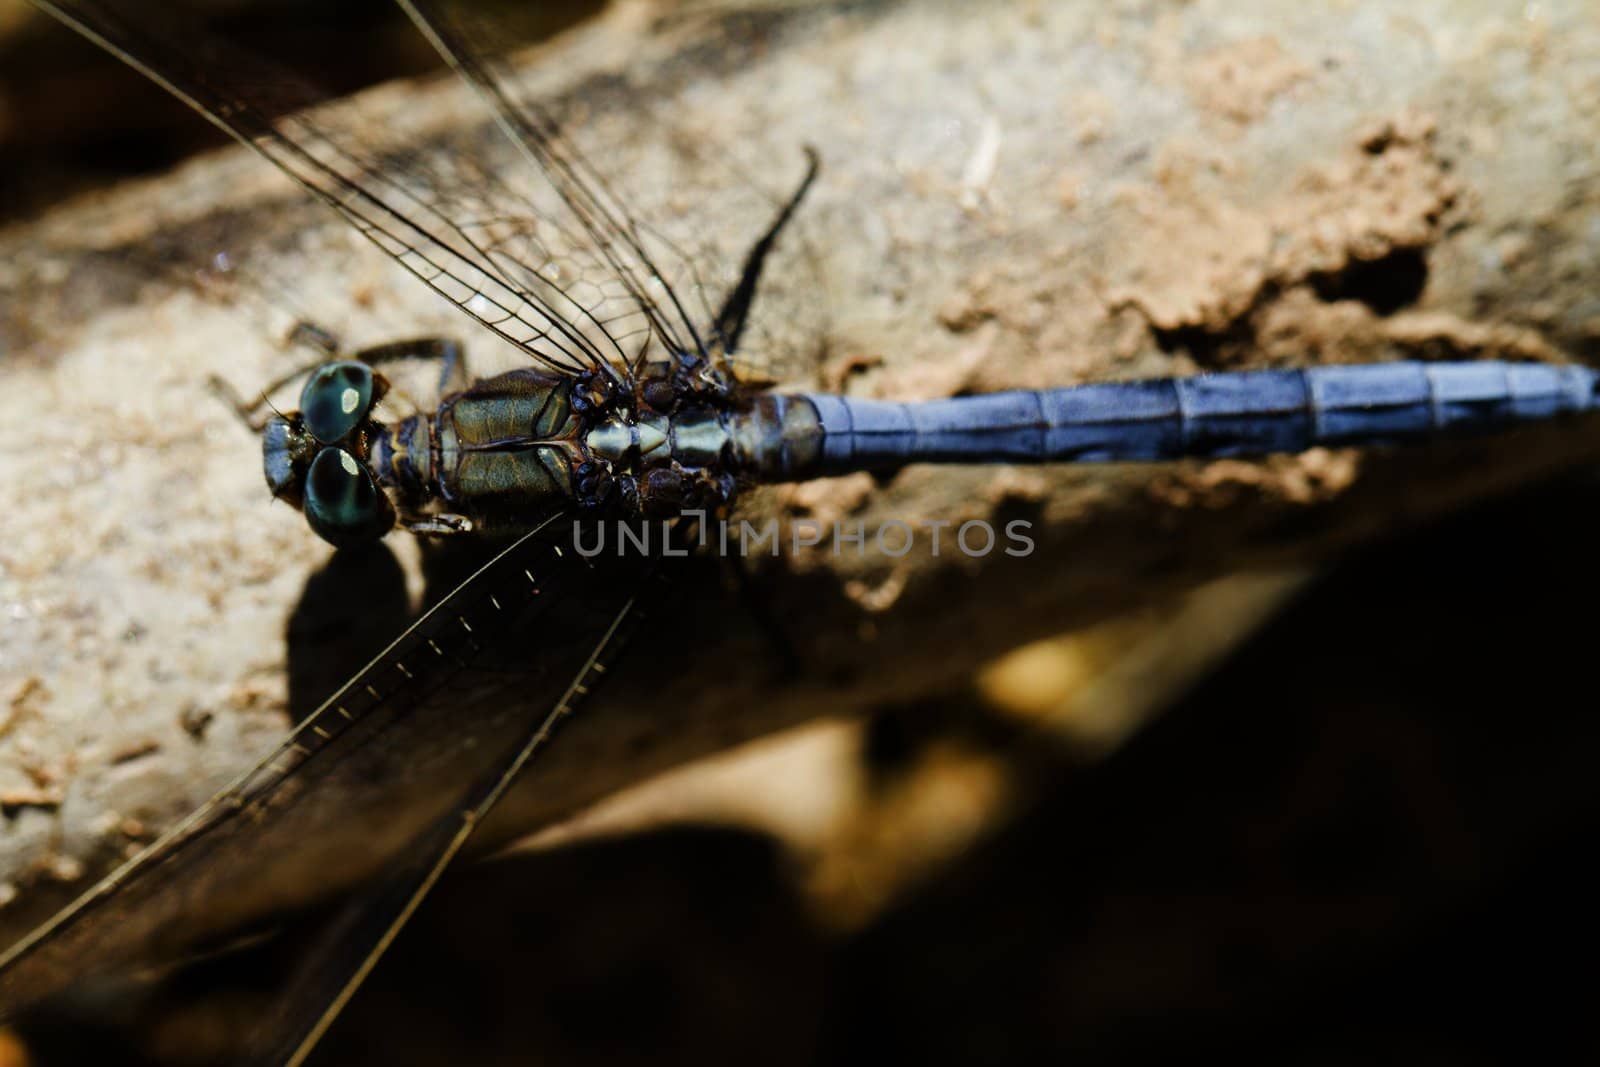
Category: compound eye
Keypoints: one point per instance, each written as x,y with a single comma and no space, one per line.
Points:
343,504
336,398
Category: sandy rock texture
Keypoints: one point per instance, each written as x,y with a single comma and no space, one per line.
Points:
1013,194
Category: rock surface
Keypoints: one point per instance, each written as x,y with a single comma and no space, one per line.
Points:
1014,194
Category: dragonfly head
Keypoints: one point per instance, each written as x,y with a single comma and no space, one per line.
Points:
315,458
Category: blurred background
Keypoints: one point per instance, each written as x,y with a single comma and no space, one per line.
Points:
72,118
1315,818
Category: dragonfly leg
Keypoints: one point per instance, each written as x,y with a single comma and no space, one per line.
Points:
731,319
307,334
247,412
452,360
254,413
452,368
444,525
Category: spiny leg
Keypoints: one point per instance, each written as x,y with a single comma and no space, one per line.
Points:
446,524
452,363
452,370
308,334
452,360
736,309
303,334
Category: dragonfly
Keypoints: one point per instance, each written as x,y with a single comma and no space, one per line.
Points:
630,406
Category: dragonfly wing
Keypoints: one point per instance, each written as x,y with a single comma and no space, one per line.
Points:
636,255
443,216
351,943
389,751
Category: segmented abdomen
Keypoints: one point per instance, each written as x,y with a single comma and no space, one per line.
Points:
1245,413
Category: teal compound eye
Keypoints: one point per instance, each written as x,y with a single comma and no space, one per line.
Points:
343,503
336,398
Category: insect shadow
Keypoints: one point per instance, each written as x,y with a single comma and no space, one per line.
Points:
352,607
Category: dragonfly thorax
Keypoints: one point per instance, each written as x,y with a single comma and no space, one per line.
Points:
509,451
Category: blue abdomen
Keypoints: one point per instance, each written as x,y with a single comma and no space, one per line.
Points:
1245,413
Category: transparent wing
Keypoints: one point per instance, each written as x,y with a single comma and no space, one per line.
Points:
689,293
596,207
444,216
512,646
351,943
